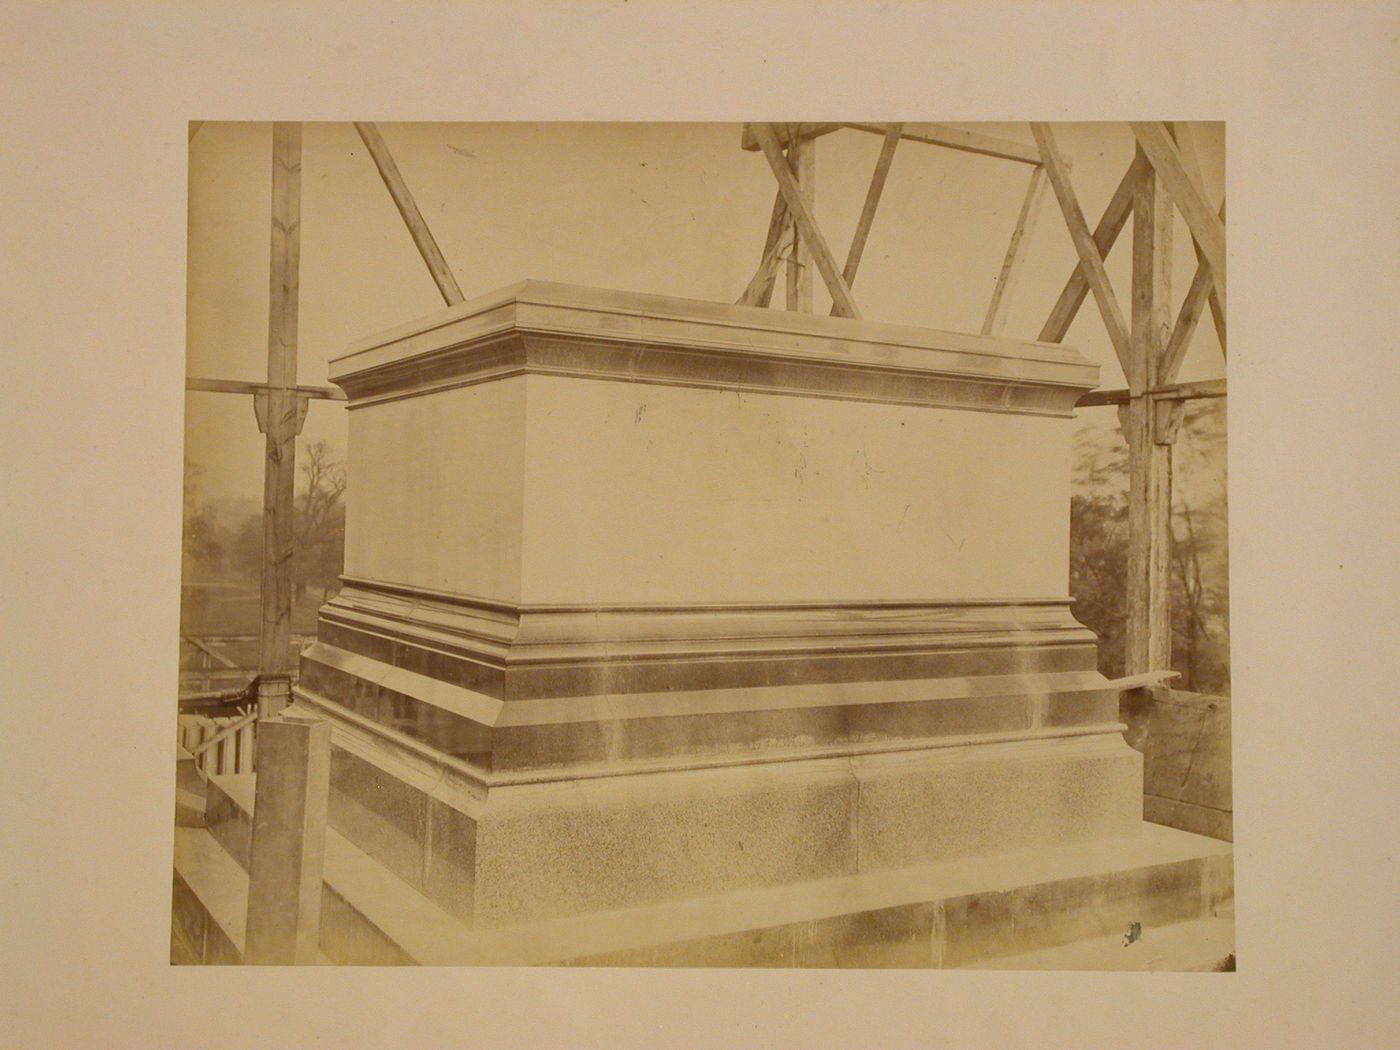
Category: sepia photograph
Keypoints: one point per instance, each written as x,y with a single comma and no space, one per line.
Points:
642,544
622,524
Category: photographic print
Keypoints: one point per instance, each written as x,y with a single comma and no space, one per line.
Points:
705,545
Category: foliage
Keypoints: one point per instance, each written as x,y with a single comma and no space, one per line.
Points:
202,547
1200,583
319,545
318,529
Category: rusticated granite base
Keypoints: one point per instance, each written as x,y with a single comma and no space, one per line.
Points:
519,763
496,847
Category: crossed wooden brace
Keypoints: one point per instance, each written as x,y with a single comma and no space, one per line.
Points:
1170,158
1170,153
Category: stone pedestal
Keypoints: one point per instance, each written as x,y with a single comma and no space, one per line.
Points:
650,599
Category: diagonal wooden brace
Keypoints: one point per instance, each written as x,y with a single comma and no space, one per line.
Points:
1090,261
1207,229
760,289
842,302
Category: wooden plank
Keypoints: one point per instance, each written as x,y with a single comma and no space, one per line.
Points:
929,134
872,202
1012,265
239,386
1208,388
226,731
1138,681
1205,225
1090,260
1148,645
279,417
1152,269
412,217
1115,217
961,140
1204,388
806,225
802,162
209,654
760,289
1186,144
1202,290
787,133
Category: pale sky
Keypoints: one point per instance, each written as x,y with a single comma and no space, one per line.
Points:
673,209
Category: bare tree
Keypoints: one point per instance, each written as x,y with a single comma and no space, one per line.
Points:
200,537
320,526
1098,553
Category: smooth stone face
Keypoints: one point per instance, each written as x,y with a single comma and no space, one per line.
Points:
436,490
543,489
422,840
349,939
638,493
560,445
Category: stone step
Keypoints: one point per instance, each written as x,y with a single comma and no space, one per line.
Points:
210,902
210,899
189,790
1056,908
1198,945
950,915
369,915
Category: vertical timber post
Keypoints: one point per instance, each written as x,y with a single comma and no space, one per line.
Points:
289,842
280,410
802,156
1150,428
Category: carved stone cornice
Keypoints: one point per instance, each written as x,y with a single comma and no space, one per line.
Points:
543,328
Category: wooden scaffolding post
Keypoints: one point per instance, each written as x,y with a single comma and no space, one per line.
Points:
287,852
280,409
1150,426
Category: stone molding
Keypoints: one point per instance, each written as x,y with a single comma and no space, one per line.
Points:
538,327
373,616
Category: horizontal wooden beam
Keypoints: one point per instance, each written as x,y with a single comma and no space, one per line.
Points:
844,305
1171,392
786,134
239,386
929,134
1147,679
963,141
